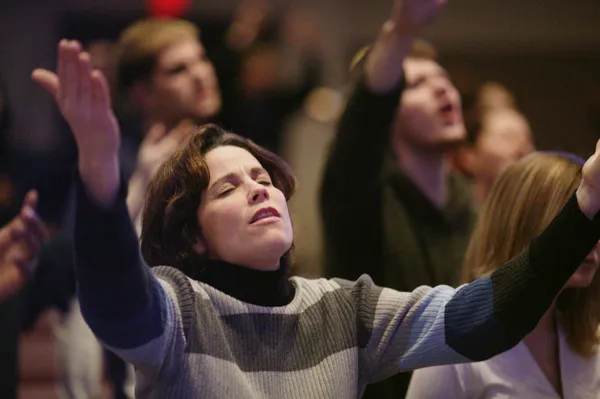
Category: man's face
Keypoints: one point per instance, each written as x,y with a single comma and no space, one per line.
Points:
430,114
183,84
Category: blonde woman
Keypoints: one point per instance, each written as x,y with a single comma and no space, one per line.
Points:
559,358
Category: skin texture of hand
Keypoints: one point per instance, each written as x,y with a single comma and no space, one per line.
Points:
83,98
588,193
410,16
20,241
383,68
159,145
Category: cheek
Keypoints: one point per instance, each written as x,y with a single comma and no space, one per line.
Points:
219,223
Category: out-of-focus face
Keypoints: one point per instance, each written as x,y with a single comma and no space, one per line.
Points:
430,113
585,273
505,138
183,85
244,218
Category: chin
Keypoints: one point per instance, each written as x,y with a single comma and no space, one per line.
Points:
275,240
209,107
582,278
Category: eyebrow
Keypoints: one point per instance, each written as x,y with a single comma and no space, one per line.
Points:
229,176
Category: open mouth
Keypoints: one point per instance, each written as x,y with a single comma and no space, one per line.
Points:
264,213
448,114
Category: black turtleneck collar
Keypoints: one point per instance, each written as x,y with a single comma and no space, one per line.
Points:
264,288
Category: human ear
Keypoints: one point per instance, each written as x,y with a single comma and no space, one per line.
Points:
199,246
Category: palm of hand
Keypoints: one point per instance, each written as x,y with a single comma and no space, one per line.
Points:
83,98
412,15
159,145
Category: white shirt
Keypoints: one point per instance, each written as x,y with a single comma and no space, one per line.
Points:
513,374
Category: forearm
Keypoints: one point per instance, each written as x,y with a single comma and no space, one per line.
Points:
383,68
113,282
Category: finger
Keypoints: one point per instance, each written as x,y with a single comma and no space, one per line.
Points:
155,133
5,238
16,229
12,278
85,79
70,79
61,69
21,259
100,90
32,224
47,79
183,130
31,199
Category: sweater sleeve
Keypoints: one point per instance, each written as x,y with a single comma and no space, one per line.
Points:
441,325
133,313
350,193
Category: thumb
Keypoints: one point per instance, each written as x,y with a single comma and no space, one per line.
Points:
48,80
31,199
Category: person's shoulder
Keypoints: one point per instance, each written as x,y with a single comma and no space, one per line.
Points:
178,285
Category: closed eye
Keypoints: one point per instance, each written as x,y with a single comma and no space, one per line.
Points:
225,190
265,180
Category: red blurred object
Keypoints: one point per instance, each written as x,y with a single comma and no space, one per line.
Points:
167,8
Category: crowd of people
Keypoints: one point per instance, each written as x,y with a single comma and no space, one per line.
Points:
458,261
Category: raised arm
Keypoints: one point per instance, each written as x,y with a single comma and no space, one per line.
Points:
488,316
158,145
124,304
350,196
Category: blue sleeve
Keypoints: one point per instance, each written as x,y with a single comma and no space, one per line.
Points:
114,285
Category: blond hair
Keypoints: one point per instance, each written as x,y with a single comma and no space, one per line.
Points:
522,203
141,43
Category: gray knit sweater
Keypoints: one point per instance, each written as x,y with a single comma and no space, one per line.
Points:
187,339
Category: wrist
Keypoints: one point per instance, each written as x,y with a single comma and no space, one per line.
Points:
587,201
101,177
398,30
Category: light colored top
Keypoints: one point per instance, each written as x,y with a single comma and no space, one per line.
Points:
513,374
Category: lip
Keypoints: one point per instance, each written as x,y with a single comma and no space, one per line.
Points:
448,114
271,215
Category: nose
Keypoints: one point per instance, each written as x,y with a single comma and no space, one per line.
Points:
440,85
257,194
201,70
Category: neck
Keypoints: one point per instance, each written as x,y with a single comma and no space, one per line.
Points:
258,287
481,189
429,170
149,122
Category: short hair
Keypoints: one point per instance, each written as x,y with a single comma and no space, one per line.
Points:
169,222
140,44
521,204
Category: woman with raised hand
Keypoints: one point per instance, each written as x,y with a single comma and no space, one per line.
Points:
219,317
559,358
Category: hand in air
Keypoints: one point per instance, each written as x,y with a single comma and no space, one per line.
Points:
588,193
410,16
83,97
159,144
20,241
